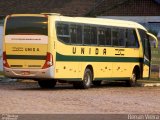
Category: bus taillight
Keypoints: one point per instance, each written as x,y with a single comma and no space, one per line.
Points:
49,61
5,63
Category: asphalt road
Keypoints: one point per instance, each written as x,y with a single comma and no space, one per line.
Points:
28,98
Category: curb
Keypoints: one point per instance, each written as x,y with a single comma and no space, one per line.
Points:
139,84
149,84
26,81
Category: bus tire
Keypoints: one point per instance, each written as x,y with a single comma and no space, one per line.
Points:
97,83
86,82
47,83
132,82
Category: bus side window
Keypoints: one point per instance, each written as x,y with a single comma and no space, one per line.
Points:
101,36
63,32
115,33
94,35
108,36
73,33
79,34
121,38
87,35
59,29
132,40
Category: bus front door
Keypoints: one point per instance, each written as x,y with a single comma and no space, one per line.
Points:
146,59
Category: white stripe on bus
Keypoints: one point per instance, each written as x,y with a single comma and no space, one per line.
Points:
33,39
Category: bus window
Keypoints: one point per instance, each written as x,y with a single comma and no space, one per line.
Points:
147,51
63,32
101,36
132,40
87,35
59,29
79,34
145,43
108,36
73,33
29,25
94,35
143,37
115,37
121,38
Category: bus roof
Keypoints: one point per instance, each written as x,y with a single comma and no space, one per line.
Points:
87,20
101,21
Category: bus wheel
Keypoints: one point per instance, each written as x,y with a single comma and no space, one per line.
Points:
86,82
47,83
97,83
133,80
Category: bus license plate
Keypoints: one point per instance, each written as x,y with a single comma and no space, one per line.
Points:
25,73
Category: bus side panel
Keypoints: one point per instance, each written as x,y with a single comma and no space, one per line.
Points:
100,69
65,70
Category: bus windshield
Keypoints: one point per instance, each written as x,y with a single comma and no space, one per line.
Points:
27,25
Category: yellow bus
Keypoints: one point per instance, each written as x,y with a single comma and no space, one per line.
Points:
83,51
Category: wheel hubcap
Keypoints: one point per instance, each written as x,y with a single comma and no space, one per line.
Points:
133,77
87,79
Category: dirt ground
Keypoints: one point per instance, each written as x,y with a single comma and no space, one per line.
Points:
28,98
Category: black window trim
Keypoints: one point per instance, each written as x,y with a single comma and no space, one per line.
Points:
98,26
